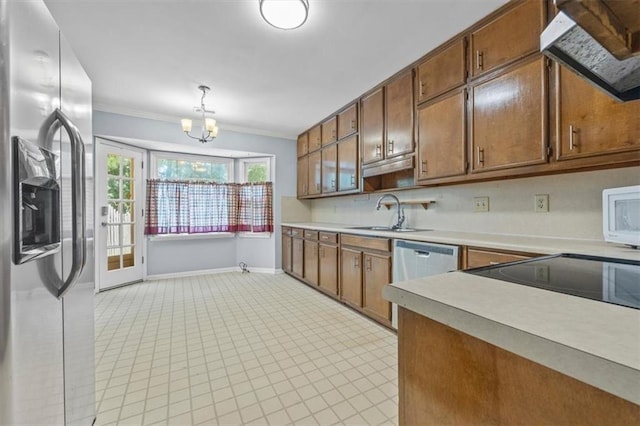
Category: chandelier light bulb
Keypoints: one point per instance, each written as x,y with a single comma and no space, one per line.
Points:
186,124
285,14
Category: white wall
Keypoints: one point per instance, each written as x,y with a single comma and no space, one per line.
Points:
178,256
575,201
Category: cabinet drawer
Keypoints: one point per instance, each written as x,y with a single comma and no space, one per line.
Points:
296,232
373,243
286,230
478,257
329,237
310,235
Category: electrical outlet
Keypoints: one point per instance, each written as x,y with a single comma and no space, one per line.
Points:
541,203
480,204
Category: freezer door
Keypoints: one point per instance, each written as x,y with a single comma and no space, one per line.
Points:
78,303
31,354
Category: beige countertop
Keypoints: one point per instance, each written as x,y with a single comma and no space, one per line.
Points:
594,342
541,245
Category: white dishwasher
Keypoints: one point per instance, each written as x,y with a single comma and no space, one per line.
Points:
412,259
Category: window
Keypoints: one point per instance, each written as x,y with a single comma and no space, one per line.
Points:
193,195
192,168
255,170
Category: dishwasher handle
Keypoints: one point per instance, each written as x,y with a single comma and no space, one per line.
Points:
422,253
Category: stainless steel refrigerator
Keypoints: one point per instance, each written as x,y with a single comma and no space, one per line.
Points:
46,226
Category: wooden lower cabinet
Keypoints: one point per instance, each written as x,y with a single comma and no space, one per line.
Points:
478,257
449,377
311,262
297,254
377,274
365,270
351,276
286,250
328,263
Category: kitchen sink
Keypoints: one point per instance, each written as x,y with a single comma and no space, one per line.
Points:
387,228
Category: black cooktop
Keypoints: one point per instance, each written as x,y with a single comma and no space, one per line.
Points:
604,279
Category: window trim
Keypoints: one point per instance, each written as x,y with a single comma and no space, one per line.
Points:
155,155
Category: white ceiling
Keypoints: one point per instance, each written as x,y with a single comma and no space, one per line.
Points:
147,57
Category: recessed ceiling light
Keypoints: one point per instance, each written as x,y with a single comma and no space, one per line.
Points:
285,14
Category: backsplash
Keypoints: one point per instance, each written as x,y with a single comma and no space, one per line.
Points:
575,205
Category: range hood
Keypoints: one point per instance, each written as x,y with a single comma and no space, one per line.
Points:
568,43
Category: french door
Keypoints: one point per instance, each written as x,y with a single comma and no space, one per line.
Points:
120,215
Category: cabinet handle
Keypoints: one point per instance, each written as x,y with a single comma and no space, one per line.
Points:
378,150
353,180
304,188
480,156
390,144
333,134
304,147
353,124
479,59
356,264
571,141
421,88
333,183
317,187
423,168
369,264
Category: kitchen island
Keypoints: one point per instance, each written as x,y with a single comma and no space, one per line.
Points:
475,350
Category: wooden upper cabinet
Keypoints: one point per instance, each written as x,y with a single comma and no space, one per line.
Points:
329,169
442,71
512,35
315,138
303,144
442,138
591,123
329,131
348,121
399,113
508,118
315,173
372,131
303,176
348,164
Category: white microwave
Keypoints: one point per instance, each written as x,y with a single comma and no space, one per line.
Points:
621,215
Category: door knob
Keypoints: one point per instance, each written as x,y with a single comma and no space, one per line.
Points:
104,224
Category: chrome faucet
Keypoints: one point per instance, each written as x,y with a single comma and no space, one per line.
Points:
398,225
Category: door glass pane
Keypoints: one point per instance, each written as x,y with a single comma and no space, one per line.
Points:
127,188
126,212
127,234
127,257
113,235
113,165
113,191
120,247
114,260
127,167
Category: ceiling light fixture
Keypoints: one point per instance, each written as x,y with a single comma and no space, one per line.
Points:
285,14
209,128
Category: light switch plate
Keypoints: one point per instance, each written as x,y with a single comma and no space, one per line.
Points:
541,203
480,204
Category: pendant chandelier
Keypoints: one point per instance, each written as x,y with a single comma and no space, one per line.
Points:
285,14
209,128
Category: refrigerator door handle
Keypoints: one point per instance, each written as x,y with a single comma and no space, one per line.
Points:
48,129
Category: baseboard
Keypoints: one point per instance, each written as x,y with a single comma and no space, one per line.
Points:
209,272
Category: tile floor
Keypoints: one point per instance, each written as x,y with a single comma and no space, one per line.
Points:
238,348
